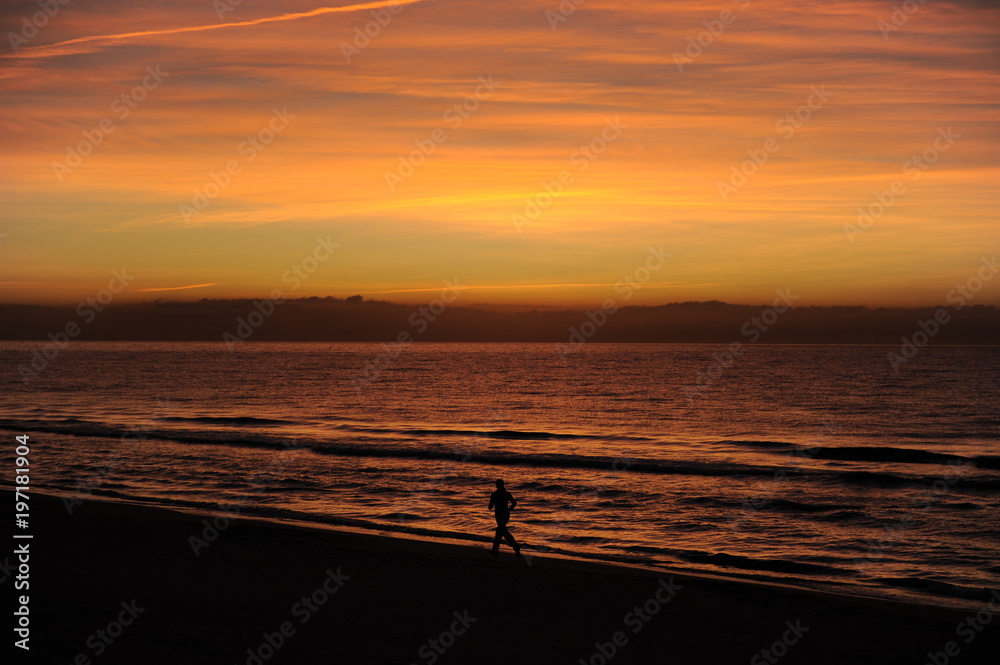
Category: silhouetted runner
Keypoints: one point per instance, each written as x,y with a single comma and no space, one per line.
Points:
498,503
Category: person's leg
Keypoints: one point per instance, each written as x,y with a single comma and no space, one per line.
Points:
501,531
509,537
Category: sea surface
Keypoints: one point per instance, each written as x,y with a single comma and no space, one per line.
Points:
817,466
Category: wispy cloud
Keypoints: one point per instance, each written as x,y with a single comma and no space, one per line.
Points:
177,288
93,42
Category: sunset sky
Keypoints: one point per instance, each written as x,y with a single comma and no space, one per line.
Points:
673,130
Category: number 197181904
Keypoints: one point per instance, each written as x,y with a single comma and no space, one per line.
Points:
22,477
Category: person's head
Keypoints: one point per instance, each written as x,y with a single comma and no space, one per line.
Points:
499,484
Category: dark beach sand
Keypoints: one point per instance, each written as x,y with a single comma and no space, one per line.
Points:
403,593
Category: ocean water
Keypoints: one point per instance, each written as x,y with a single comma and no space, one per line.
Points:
817,466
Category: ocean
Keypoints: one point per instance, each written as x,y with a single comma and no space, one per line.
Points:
816,466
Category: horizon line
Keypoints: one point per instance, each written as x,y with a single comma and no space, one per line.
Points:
477,305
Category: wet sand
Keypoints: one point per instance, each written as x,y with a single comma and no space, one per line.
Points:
116,583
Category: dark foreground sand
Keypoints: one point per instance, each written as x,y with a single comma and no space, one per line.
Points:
401,594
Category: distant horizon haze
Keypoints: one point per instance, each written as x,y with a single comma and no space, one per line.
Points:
447,319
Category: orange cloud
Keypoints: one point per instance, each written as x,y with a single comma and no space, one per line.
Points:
392,109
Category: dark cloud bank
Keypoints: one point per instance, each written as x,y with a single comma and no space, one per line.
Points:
334,319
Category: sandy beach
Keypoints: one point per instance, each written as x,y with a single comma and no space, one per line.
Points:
122,583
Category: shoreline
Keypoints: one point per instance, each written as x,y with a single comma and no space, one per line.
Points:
477,542
531,553
388,596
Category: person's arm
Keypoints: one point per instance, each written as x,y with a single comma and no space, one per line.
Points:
513,501
491,500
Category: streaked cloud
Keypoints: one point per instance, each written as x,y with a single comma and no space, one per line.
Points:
176,288
93,42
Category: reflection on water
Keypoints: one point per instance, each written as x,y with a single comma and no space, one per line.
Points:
813,464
